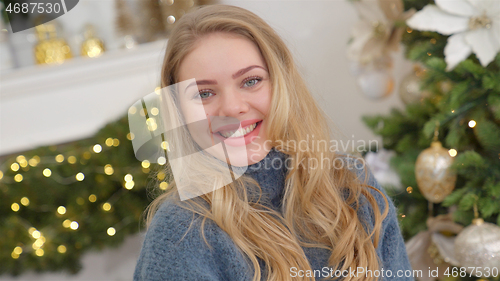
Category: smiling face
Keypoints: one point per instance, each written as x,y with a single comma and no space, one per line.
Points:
232,92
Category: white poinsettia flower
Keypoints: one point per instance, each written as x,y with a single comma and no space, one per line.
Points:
377,33
474,26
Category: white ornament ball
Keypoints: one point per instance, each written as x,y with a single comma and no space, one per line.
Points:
478,245
376,84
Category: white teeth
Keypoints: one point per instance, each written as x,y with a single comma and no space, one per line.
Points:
240,132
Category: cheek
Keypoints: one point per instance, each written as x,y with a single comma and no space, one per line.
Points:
262,101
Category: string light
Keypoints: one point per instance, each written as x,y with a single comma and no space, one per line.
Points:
80,201
409,30
36,234
128,177
162,160
106,207
171,19
61,249
116,142
472,123
20,158
160,175
452,152
14,167
31,230
108,169
163,185
1,175
92,198
145,164
151,123
86,155
18,250
97,148
18,178
109,141
129,185
66,223
165,146
23,163
154,111
47,172
433,41
33,162
72,159
111,231
14,207
80,176
39,252
132,110
59,158
130,136
38,243
25,201
158,90
409,189
74,225
61,210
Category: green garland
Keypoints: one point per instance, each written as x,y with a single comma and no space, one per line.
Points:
61,201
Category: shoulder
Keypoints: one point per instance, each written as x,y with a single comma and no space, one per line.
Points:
174,248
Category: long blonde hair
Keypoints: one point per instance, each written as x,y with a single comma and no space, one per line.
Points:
320,203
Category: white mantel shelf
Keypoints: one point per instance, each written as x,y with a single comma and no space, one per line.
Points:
50,104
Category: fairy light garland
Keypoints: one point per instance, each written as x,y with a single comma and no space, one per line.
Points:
67,217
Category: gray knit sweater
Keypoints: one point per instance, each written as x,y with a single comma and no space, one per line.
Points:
174,250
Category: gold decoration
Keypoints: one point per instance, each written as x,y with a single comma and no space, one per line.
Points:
92,46
432,170
50,49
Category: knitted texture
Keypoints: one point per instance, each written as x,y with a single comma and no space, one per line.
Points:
174,248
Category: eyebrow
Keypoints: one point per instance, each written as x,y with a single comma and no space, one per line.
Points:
235,75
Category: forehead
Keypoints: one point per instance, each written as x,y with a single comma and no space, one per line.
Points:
219,54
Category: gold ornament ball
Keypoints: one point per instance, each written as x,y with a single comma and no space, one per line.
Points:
432,170
478,245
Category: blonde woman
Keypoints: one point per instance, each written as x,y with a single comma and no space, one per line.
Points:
293,208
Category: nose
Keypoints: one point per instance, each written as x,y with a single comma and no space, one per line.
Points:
233,104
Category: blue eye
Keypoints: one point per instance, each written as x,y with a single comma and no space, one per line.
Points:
203,94
252,81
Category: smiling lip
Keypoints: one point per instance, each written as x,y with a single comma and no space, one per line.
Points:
242,140
233,127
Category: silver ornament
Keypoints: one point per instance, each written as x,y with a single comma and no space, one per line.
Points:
376,84
478,246
409,89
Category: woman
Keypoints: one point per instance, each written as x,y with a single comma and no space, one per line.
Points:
291,208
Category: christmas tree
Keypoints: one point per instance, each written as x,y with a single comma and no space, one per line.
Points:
455,47
60,201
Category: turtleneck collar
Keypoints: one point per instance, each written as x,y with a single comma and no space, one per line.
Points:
270,173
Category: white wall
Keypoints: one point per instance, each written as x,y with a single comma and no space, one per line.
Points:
316,32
